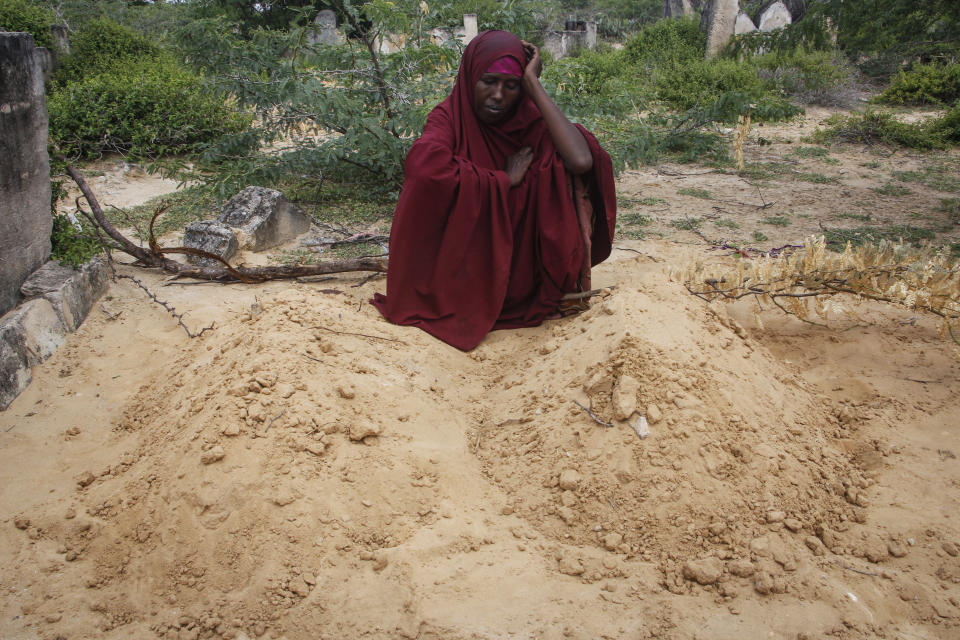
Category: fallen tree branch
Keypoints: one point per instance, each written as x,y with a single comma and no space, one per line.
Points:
172,311
154,255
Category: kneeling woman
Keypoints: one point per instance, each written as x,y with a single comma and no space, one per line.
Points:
505,204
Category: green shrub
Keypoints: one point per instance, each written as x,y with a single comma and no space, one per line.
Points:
146,107
73,244
879,127
924,84
811,76
20,15
102,44
947,127
667,42
700,82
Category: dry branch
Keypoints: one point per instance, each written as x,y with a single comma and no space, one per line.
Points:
154,255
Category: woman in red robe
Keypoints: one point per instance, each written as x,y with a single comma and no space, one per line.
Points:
505,204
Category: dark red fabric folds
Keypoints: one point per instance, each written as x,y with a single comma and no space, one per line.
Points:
468,253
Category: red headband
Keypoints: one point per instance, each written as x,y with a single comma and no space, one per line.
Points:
508,65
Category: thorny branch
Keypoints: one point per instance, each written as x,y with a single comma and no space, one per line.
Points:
173,312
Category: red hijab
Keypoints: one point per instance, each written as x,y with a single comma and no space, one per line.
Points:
468,253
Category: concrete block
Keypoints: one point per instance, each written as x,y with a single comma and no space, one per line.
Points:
776,16
71,292
212,237
25,220
264,218
29,335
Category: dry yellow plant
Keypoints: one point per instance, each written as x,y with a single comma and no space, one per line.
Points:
739,137
814,282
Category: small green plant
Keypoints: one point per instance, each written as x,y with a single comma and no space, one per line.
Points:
838,238
651,202
939,177
873,127
816,178
695,193
20,15
73,244
924,84
891,189
873,164
687,224
728,224
865,217
776,221
632,225
951,207
809,152
759,236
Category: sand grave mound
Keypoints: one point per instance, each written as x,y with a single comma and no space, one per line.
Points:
291,462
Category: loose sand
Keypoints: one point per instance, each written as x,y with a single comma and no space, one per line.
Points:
307,470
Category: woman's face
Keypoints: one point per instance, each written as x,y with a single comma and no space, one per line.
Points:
496,96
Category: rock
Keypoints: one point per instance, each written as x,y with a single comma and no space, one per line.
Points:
569,479
264,217
762,583
569,564
611,541
743,24
326,29
949,548
212,237
380,562
760,546
599,382
654,414
641,427
71,292
29,335
283,497
212,455
793,524
21,522
718,21
568,515
625,397
364,429
704,571
775,16
717,527
231,430
742,568
896,549
285,390
568,498
346,391
775,516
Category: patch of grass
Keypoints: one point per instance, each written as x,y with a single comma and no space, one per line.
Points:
345,203
694,192
728,224
687,224
809,152
951,207
627,202
891,189
777,221
759,236
184,206
816,178
873,164
630,225
764,170
862,235
636,219
939,177
861,217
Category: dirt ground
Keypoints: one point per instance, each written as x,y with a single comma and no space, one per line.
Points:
306,470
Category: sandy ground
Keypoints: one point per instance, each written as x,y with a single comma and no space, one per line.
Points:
307,470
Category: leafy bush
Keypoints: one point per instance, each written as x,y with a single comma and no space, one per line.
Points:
73,243
700,82
813,77
146,107
879,127
924,84
667,42
21,15
102,44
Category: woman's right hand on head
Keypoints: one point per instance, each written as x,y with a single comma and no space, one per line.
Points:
517,165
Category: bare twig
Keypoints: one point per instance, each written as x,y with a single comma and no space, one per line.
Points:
173,312
362,335
590,413
312,358
273,419
111,316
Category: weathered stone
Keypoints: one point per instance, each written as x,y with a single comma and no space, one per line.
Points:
326,29
776,16
25,220
264,217
718,21
212,237
569,479
677,8
72,292
743,24
28,335
625,397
